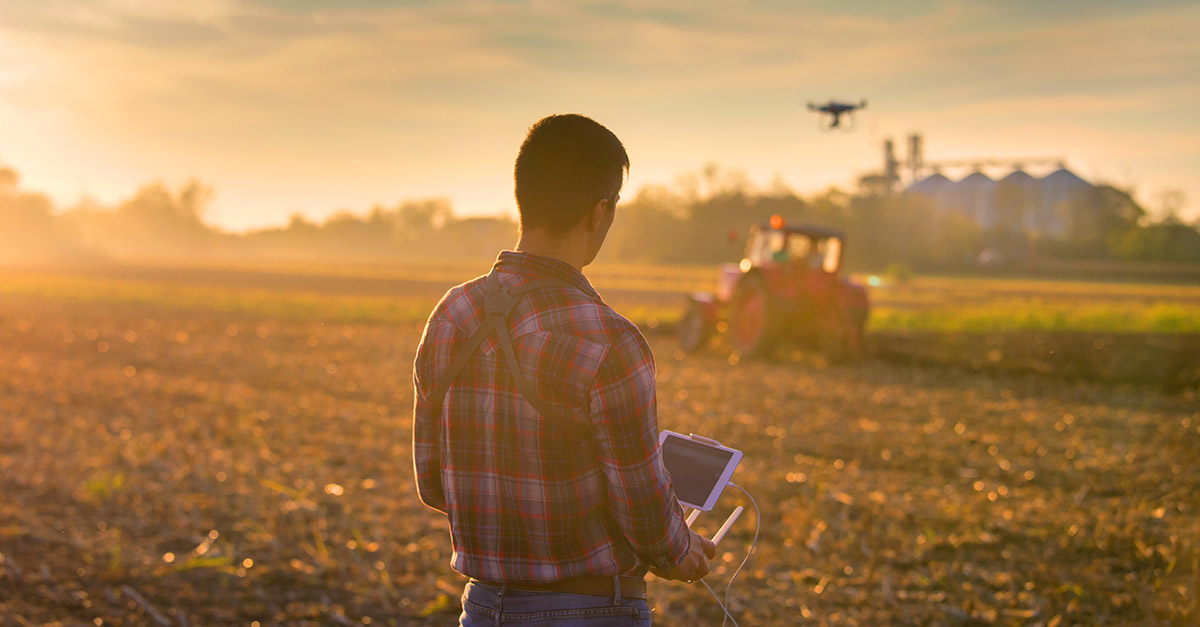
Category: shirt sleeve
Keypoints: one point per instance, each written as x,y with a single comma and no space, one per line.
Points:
426,450
624,421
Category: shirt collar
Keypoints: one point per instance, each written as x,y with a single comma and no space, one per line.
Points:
536,266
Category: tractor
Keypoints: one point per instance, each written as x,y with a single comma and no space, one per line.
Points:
786,288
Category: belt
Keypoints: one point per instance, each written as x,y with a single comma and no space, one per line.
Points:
600,586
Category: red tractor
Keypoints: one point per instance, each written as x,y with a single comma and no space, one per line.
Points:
786,288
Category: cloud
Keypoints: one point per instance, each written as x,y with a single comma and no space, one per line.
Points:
367,55
334,87
1073,105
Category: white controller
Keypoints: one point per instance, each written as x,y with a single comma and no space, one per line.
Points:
737,512
728,523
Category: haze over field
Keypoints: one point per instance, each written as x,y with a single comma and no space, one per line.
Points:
224,225
312,106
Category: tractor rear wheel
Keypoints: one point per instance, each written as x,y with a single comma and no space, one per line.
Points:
694,329
752,326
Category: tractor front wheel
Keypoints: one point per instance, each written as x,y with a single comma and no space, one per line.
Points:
751,317
694,329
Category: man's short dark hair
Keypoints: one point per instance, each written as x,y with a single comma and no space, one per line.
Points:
566,165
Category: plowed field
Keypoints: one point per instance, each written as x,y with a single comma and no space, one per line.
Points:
210,462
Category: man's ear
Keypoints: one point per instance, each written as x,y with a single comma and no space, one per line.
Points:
596,217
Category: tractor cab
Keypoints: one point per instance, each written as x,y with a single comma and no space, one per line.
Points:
789,258
803,247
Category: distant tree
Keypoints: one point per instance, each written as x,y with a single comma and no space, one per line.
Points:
643,228
480,237
1170,202
711,181
420,218
29,230
1168,240
1096,218
155,208
299,223
8,181
831,207
703,219
155,223
1116,210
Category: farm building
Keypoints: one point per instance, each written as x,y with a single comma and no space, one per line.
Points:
1018,201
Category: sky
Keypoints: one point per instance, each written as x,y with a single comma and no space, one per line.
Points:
315,106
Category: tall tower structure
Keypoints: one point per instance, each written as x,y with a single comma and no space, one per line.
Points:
916,157
891,167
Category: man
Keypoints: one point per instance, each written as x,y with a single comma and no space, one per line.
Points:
534,426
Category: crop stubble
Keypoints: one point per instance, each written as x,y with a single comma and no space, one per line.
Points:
230,468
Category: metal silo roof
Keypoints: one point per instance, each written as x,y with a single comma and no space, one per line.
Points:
974,196
1059,191
931,185
1062,181
1018,177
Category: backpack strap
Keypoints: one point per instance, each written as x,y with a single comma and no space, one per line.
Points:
498,303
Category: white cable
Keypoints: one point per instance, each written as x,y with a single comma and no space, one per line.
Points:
728,616
757,526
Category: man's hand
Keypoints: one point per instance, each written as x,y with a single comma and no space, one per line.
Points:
695,564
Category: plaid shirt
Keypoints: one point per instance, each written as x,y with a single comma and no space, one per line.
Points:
530,500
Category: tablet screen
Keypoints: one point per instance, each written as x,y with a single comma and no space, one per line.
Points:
695,468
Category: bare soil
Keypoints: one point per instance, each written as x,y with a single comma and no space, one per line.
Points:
159,465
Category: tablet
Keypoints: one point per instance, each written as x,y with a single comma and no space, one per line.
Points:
699,467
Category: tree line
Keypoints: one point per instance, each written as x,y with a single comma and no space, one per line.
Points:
703,218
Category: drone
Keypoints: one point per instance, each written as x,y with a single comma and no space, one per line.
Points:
835,110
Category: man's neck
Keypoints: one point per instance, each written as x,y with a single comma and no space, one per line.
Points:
564,249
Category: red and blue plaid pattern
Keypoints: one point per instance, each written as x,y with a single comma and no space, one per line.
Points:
530,500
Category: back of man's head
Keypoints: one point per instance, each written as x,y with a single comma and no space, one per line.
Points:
566,165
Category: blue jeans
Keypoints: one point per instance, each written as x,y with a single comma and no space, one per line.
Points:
485,604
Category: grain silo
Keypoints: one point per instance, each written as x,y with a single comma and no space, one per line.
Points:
1017,198
933,187
1062,195
974,196
1050,206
